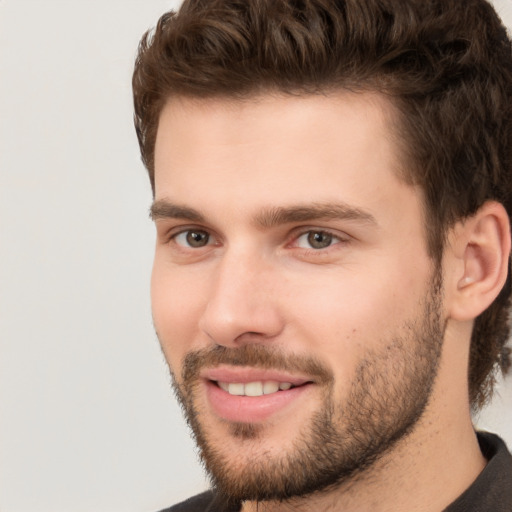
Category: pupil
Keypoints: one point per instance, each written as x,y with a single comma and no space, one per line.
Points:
319,240
197,238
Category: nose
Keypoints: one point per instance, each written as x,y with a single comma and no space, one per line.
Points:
242,306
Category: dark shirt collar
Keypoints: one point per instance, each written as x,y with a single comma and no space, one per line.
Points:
492,490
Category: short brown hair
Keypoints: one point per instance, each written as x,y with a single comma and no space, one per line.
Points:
446,65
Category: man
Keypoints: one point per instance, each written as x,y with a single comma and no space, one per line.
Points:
331,281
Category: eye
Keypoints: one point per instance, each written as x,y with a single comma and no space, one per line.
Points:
193,238
316,240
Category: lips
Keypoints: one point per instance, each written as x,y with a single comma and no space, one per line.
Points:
251,395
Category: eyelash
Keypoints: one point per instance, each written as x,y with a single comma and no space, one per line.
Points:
334,239
186,232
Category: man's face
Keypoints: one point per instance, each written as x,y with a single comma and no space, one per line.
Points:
292,291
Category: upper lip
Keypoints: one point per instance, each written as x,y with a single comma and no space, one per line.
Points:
231,374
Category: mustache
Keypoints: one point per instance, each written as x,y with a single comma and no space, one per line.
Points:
256,356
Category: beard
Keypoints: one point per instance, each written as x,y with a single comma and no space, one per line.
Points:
341,441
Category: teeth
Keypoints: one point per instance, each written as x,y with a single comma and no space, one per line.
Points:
224,386
270,387
254,389
236,389
257,388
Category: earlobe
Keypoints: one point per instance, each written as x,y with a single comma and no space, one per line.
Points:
481,244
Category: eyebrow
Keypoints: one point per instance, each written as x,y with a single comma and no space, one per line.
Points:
163,209
271,217
316,211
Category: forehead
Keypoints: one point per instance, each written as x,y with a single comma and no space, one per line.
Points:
276,148
241,120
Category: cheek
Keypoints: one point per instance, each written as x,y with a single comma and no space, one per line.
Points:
349,315
343,302
176,306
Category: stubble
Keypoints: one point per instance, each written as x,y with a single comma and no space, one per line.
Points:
340,441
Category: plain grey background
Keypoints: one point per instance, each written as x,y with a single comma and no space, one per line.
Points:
87,418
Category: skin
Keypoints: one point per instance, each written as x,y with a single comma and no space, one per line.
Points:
259,282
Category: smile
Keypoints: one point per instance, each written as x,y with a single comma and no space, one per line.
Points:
253,396
258,388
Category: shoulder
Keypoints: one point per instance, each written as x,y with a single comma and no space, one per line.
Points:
199,503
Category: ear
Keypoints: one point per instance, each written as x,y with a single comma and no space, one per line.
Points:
477,261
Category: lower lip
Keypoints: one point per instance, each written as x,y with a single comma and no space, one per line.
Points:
251,409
